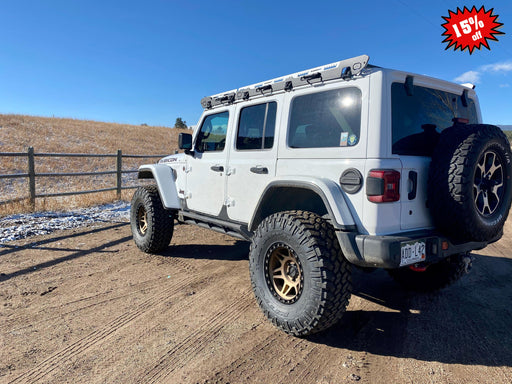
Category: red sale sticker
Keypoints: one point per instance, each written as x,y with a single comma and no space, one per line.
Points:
470,29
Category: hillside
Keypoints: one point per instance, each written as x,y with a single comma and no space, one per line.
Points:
45,134
507,129
56,135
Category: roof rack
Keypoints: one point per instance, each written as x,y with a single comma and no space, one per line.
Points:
344,69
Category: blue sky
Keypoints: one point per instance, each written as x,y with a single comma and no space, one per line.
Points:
150,62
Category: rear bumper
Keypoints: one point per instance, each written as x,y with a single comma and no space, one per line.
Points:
386,251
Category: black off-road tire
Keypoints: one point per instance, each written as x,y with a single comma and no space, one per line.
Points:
436,276
152,225
468,163
321,297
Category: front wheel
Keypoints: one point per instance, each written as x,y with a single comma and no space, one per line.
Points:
152,225
435,276
299,276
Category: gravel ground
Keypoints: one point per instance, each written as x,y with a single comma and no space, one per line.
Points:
85,305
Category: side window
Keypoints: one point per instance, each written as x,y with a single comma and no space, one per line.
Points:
212,134
325,119
256,127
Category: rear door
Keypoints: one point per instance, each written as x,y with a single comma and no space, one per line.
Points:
418,117
252,159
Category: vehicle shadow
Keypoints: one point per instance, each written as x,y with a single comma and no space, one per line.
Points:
236,252
468,323
74,253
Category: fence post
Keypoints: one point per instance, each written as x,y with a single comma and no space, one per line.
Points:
31,177
119,174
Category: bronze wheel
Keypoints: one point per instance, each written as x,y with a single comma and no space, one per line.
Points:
299,276
142,220
284,274
151,224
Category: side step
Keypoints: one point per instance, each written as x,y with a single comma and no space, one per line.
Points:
238,231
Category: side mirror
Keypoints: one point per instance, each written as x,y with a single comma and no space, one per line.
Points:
185,141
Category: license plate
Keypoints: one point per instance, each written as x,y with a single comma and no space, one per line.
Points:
412,252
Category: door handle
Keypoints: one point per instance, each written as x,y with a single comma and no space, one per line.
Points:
217,168
413,176
259,170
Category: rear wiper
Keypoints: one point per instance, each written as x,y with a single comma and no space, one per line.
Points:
464,98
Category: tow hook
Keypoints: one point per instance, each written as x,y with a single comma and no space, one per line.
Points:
468,262
418,267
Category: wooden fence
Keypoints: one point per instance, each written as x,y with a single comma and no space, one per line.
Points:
32,175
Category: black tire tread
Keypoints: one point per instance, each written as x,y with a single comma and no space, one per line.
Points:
334,278
159,235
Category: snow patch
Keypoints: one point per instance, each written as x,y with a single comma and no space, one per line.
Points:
20,226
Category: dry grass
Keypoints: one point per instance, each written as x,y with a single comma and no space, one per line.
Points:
18,132
54,135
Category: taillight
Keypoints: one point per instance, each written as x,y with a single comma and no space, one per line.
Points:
383,186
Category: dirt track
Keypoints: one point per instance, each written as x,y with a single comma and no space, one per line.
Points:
86,306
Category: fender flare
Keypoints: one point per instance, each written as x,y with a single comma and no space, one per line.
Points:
330,193
165,181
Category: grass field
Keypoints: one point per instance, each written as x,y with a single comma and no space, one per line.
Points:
54,135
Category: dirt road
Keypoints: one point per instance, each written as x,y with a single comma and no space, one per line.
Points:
86,306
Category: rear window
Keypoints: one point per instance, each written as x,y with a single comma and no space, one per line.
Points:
418,120
325,119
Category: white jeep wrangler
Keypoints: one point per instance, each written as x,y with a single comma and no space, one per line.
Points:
340,165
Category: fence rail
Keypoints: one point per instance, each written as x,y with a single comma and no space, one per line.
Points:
32,175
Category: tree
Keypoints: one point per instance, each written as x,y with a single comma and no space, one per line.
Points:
180,123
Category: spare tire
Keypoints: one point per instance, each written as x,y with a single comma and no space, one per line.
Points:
470,185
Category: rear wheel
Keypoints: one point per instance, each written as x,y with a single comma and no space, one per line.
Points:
299,276
152,225
434,276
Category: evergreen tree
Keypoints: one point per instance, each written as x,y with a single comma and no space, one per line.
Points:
180,123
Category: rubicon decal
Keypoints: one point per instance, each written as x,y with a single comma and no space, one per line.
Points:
470,29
